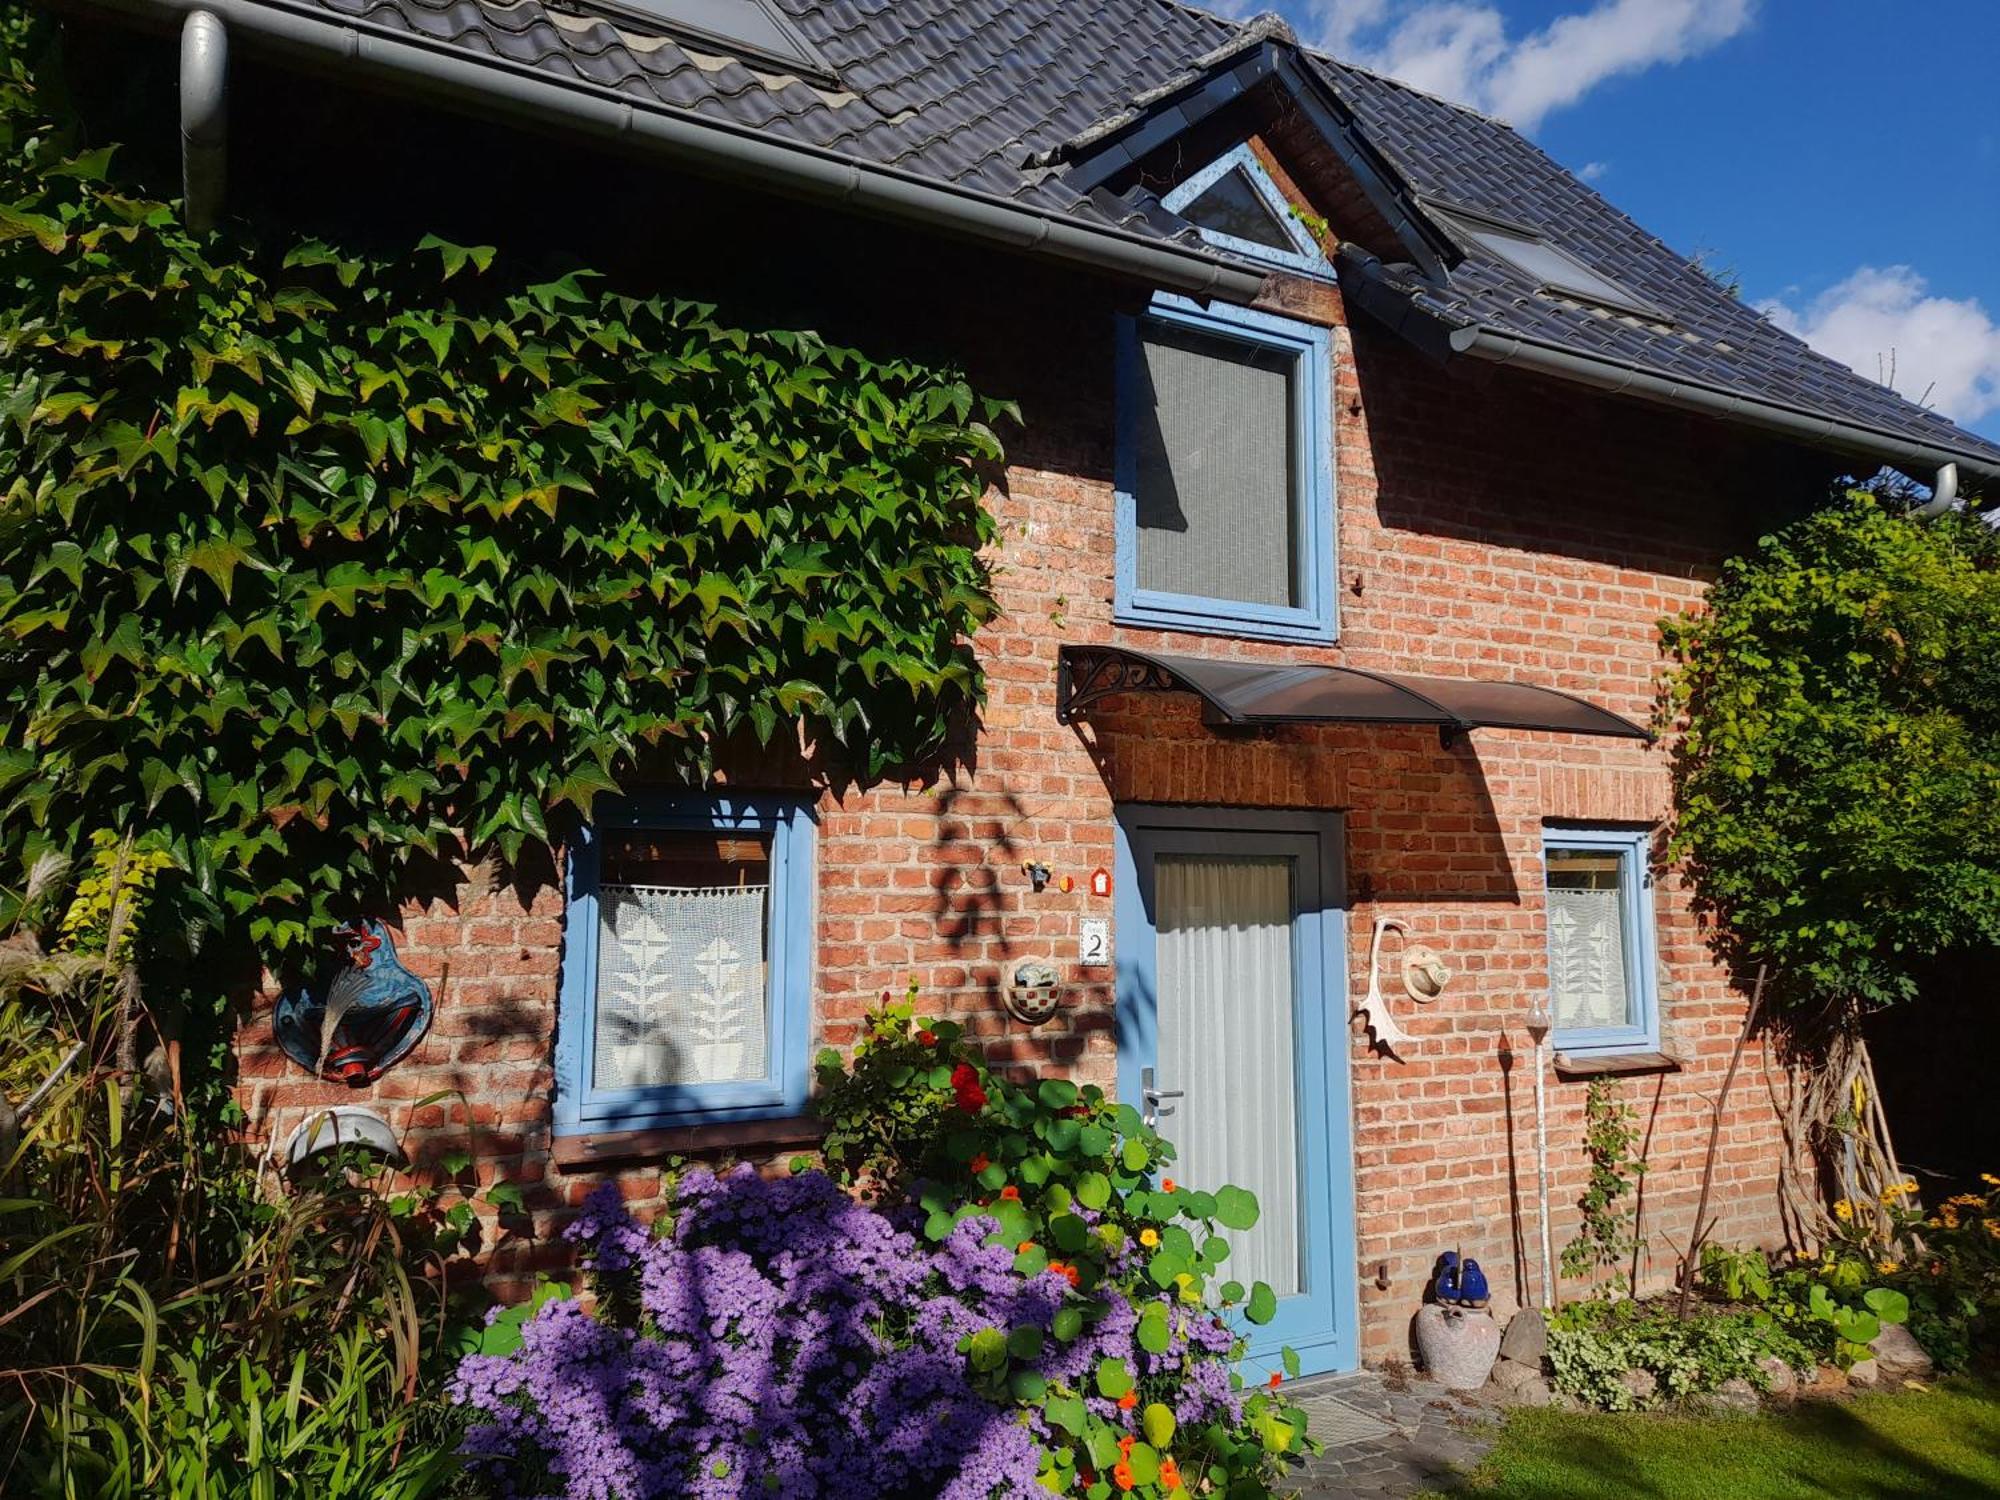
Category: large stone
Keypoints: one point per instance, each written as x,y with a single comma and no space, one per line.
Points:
1864,1373
1457,1347
1533,1392
1640,1383
1898,1354
1736,1395
1511,1374
1780,1379
1527,1338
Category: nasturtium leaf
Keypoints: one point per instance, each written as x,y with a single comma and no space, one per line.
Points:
1056,1093
1065,1412
1157,1423
1093,1191
1290,1356
1263,1304
1069,1232
1155,1334
987,1349
1027,1386
1025,1342
1235,1208
1135,1155
1094,1140
1114,1378
1032,1261
1231,1292
1145,1462
1068,1324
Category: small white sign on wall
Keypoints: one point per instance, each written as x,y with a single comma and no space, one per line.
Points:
1093,948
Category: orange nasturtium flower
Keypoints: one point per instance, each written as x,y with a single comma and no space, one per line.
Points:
1010,1193
1166,1184
1024,1247
1121,1475
1170,1473
1129,1400
1277,1379
978,1163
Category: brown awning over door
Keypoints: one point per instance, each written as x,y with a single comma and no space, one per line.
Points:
1248,693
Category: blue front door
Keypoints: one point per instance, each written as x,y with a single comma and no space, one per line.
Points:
1230,946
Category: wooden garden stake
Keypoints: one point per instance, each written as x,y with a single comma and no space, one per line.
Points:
1714,1137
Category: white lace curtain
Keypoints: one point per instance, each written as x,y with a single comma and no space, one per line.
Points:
1225,1039
680,985
1587,956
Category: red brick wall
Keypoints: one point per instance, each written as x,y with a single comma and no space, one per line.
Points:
1490,524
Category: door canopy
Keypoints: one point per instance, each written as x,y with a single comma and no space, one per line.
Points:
1252,693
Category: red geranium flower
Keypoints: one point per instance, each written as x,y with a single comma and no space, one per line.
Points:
928,1038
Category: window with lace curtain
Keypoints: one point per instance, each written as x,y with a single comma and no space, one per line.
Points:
686,995
1603,972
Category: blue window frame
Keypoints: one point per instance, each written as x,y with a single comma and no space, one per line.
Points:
1603,957
1235,190
699,846
1176,488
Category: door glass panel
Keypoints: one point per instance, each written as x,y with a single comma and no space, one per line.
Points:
1226,1008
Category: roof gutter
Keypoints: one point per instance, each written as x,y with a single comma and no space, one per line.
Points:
1443,338
358,48
1769,416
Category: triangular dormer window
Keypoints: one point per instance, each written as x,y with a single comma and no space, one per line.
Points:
1236,205
755,32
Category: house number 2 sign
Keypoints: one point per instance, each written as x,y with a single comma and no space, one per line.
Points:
1094,946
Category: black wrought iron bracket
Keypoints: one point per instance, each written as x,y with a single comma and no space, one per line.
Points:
1084,675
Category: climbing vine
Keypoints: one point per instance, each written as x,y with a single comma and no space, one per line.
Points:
1838,770
323,565
1608,1233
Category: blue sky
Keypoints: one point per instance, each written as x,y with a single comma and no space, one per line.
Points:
1841,159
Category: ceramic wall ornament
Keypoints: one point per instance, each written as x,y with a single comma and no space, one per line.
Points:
1424,977
1033,992
363,1018
343,1127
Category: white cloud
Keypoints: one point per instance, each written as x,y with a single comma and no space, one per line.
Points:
1594,171
1461,48
1884,322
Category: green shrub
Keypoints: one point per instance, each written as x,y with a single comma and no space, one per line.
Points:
1593,1343
1077,1183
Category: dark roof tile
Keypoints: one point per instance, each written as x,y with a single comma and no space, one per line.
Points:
966,91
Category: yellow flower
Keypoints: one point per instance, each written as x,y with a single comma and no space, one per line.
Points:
1888,1267
1149,1237
1843,1210
1993,1228
1988,1177
1967,1200
1898,1190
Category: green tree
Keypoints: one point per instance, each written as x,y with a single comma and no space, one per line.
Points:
1838,777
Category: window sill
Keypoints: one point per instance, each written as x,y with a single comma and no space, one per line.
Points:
1609,1064
582,1151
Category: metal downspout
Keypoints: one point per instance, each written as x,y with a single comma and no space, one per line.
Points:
1944,494
204,117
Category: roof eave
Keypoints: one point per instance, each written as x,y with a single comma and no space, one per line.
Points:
498,87
1443,338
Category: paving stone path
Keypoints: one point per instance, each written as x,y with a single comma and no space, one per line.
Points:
1422,1437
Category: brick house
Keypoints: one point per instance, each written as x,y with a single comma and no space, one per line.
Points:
1363,448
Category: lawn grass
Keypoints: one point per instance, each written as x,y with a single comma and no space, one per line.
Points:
1915,1445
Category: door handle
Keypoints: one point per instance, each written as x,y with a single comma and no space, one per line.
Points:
1152,1098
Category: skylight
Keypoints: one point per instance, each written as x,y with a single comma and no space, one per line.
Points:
752,30
1552,269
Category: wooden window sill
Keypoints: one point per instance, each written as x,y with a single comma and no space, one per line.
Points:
1615,1063
601,1148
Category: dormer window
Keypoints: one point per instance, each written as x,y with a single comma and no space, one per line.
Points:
1236,205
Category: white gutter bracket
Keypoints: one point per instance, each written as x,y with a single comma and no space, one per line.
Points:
204,117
